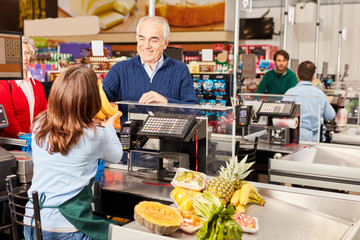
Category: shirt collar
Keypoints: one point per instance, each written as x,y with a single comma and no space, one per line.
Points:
281,74
159,63
305,83
30,78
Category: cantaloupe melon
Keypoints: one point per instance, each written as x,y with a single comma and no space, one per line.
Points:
157,217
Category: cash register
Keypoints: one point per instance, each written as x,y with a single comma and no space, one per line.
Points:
7,160
277,116
182,144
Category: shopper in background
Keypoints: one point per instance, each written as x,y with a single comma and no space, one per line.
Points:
23,99
151,76
280,79
66,144
310,106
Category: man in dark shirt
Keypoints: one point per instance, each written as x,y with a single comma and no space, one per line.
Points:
280,79
151,76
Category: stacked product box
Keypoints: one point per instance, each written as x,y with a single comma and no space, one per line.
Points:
38,71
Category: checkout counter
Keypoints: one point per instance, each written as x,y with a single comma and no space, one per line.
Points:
289,212
208,138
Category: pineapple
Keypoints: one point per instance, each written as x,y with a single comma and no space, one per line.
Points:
229,178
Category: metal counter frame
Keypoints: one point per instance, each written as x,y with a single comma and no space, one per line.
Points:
289,213
323,165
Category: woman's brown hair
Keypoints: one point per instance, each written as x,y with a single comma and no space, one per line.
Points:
73,102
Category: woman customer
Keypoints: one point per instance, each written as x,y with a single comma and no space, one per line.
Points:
23,99
66,144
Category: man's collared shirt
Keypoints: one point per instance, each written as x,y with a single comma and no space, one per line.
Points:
151,73
27,88
310,109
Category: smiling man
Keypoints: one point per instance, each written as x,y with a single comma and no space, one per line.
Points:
280,79
151,76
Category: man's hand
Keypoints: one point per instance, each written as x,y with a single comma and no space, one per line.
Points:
152,97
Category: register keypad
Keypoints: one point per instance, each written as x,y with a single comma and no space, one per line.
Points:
166,126
276,108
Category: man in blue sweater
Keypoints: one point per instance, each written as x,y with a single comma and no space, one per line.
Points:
151,76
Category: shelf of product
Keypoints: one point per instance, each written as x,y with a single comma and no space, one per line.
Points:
213,89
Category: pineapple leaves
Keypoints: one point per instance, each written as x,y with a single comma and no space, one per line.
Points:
236,170
245,167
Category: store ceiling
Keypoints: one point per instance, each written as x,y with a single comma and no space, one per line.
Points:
279,3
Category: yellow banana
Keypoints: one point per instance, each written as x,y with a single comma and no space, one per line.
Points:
245,192
100,115
106,107
255,197
105,104
235,197
240,208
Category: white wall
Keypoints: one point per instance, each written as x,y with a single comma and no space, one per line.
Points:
301,35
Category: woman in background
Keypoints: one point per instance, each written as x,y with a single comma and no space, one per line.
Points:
23,99
66,143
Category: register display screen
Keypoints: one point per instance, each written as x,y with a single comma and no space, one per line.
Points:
10,55
242,117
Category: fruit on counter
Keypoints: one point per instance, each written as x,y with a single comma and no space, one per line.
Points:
240,208
185,203
220,225
157,217
244,220
190,177
183,197
177,193
229,178
235,197
235,201
205,204
249,194
190,220
106,109
246,194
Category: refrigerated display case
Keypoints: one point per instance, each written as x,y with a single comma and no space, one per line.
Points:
213,88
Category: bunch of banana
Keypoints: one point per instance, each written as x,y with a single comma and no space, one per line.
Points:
106,109
246,194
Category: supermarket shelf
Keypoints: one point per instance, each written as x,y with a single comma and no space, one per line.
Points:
180,37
